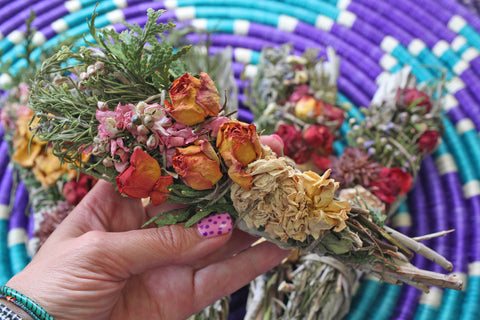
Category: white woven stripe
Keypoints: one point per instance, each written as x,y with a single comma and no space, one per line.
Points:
241,27
416,46
287,23
446,164
458,43
470,54
324,23
382,77
471,189
388,44
455,84
39,38
346,18
387,62
243,55
115,16
250,71
474,269
343,4
449,102
185,13
440,47
4,212
59,25
456,23
73,5
120,3
200,24
401,220
460,66
433,298
5,80
170,4
16,36
17,236
464,125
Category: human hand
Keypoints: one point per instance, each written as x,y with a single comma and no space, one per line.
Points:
98,264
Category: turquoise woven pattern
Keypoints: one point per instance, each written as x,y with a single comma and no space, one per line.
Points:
373,38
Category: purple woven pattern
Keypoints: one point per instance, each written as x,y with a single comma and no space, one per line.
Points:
472,5
438,201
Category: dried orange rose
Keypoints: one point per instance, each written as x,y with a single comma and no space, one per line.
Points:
198,165
238,144
143,179
192,99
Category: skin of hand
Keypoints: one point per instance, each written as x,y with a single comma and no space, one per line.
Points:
100,264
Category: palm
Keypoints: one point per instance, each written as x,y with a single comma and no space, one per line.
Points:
98,265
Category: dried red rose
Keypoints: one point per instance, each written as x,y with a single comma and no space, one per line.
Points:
391,183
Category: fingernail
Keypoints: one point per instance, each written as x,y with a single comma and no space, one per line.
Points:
215,225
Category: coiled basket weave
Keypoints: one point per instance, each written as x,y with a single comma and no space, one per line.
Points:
373,38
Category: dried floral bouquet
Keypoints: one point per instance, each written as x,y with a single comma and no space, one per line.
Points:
296,98
157,132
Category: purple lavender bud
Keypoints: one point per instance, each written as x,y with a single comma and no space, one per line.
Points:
369,143
371,151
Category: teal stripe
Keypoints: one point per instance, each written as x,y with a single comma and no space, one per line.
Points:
429,59
450,57
320,7
403,56
5,269
338,148
472,36
471,304
426,312
441,150
363,300
81,16
221,25
451,305
18,257
472,141
386,302
455,145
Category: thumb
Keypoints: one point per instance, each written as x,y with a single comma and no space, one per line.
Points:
133,252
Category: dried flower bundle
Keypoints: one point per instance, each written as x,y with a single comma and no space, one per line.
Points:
296,98
157,132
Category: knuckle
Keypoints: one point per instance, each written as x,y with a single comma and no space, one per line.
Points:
172,239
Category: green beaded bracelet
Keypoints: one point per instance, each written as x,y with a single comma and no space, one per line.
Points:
25,303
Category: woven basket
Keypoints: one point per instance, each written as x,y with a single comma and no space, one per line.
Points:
373,38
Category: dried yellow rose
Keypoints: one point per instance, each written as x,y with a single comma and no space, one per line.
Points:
287,203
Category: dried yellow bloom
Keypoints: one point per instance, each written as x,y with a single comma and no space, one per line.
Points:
287,203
